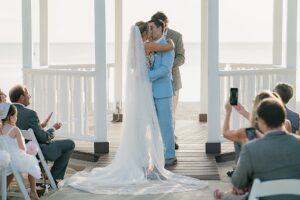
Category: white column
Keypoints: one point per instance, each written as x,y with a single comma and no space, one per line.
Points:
291,34
204,48
43,32
277,32
291,45
118,54
213,72
100,100
26,34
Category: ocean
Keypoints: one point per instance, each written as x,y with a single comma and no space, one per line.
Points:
83,53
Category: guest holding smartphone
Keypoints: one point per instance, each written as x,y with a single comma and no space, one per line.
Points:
244,135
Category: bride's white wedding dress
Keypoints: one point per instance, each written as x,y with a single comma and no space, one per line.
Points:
138,167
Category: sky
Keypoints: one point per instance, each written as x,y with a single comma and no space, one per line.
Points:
72,20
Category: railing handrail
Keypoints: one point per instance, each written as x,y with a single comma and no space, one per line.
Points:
76,69
250,65
77,66
255,71
60,71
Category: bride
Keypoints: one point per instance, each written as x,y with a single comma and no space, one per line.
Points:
138,167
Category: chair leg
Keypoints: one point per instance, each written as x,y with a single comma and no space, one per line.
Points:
22,186
47,171
3,184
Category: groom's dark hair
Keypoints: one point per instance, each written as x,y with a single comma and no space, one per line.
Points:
159,23
160,15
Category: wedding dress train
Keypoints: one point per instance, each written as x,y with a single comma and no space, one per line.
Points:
138,167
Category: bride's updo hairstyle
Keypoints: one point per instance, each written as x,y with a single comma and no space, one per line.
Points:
143,26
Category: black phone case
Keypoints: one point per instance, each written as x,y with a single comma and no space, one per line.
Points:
233,99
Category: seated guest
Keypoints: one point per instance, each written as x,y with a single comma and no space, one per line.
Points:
58,151
2,97
285,91
2,100
240,134
14,141
275,156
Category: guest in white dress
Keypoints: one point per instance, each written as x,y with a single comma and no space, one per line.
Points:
16,147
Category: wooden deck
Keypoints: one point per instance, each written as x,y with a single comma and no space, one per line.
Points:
192,159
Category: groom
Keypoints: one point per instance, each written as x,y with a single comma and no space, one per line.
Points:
160,75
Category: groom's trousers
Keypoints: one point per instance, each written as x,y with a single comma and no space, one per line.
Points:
164,114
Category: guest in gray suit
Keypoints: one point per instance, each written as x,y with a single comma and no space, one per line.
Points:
178,60
275,156
58,151
285,91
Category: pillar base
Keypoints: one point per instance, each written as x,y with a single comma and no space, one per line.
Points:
101,147
202,117
213,148
117,117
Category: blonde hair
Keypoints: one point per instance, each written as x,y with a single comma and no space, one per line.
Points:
258,98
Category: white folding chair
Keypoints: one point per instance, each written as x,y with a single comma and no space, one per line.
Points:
17,175
274,187
29,135
3,175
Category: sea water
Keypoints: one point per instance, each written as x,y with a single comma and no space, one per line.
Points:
83,53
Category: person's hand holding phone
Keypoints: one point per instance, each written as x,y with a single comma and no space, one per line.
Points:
45,122
228,107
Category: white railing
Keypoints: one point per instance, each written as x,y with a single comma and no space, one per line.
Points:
251,79
68,92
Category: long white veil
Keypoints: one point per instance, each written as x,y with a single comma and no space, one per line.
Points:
138,167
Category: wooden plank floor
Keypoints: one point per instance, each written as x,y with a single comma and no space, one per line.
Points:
192,159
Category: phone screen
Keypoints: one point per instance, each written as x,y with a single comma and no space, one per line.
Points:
250,133
233,99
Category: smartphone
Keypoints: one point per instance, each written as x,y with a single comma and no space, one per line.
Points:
233,99
250,133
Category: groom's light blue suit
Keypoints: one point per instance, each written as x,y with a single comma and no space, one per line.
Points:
160,75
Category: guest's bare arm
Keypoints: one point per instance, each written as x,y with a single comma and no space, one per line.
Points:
16,133
241,109
288,125
236,135
228,110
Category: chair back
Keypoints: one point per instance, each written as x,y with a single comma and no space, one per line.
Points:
274,187
29,135
17,175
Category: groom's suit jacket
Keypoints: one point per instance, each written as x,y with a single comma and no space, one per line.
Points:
160,73
179,56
